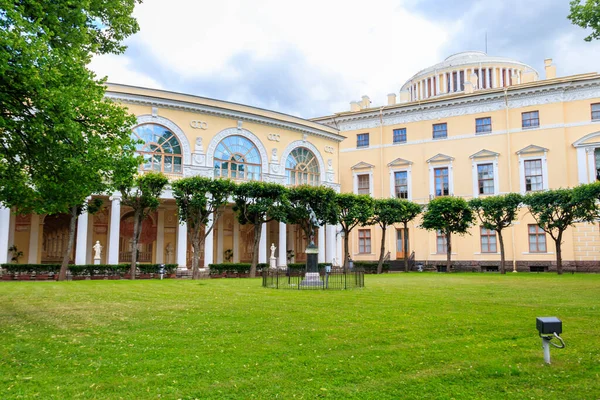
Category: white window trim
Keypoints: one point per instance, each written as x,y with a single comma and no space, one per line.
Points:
474,165
433,166
522,160
355,175
408,171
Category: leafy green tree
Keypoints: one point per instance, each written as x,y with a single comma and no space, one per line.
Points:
257,203
393,211
59,136
556,210
311,207
449,215
200,202
352,210
586,14
497,213
141,193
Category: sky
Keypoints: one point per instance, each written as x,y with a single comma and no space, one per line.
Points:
312,58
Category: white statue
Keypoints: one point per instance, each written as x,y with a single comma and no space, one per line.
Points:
169,249
273,248
97,250
199,148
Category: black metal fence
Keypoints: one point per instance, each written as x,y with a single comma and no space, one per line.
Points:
325,279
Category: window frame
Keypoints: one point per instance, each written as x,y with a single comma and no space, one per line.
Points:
441,167
525,117
541,175
400,132
445,130
440,242
595,117
158,155
364,241
306,176
480,180
489,233
483,131
360,136
538,232
407,184
358,182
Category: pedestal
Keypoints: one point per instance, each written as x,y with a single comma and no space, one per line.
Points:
96,261
312,277
273,263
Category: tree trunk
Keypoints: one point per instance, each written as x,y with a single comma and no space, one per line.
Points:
381,251
62,275
557,243
502,255
346,250
137,230
405,244
196,257
448,251
255,249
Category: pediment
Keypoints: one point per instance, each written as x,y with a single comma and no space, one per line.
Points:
485,154
363,165
440,158
592,139
399,162
532,149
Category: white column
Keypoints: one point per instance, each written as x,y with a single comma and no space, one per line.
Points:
426,88
451,76
4,234
510,73
209,244
160,237
282,245
518,76
339,246
34,234
444,83
488,80
182,246
220,238
501,73
494,78
330,246
82,232
262,245
236,241
480,80
321,239
115,226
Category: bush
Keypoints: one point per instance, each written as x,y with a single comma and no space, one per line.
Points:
302,266
234,268
87,269
31,268
370,267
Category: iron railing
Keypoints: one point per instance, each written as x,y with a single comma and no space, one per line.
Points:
327,279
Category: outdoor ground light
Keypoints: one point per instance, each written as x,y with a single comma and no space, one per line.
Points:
549,328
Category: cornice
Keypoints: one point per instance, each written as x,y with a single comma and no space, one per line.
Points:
465,105
127,98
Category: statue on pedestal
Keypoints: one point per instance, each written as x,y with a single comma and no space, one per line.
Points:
169,250
97,252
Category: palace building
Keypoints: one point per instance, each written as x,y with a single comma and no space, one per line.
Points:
472,125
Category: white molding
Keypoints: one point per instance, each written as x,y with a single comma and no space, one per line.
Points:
222,112
432,167
475,161
355,175
408,170
210,151
179,133
522,159
301,143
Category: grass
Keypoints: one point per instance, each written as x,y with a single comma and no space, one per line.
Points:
404,336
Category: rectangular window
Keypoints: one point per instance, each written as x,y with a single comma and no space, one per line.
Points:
400,135
530,119
362,140
440,131
595,111
488,241
440,176
440,240
401,184
485,178
537,239
364,241
363,184
483,125
533,175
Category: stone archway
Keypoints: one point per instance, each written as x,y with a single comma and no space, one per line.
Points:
55,238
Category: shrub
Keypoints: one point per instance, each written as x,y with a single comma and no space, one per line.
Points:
234,268
87,269
31,268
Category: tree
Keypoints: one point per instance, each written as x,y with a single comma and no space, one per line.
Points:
352,210
497,213
199,203
556,210
311,207
59,136
257,203
448,215
586,14
393,211
141,193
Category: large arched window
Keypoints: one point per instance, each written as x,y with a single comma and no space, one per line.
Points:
160,149
302,167
237,158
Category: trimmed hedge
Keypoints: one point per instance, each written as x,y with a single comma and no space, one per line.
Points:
234,268
370,267
87,269
31,268
302,266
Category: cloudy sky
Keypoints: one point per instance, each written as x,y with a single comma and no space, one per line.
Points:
312,58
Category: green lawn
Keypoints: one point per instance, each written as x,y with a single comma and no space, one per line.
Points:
404,336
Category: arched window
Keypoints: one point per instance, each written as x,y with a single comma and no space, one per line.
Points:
302,167
160,149
237,158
